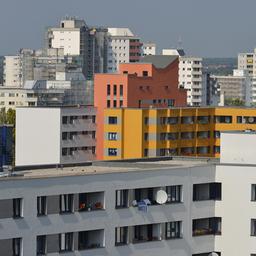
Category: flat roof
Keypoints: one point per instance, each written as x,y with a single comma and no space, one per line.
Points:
108,167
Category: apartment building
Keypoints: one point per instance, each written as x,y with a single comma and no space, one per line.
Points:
123,47
1,69
178,206
153,82
76,38
236,87
149,49
6,145
12,71
55,135
136,133
191,79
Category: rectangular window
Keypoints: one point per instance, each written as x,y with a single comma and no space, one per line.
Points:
114,103
121,103
174,194
145,73
121,90
64,120
173,230
41,205
66,203
108,104
115,89
146,136
112,120
146,152
41,245
146,120
122,198
16,246
207,191
121,236
112,136
66,242
253,192
17,207
253,227
64,136
112,151
108,90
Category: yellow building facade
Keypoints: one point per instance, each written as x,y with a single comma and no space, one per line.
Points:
136,133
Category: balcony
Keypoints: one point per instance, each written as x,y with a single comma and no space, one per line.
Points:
147,233
207,226
91,239
91,201
187,135
203,119
187,120
207,191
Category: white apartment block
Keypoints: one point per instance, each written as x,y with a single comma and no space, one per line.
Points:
123,47
55,136
179,207
191,78
12,71
149,49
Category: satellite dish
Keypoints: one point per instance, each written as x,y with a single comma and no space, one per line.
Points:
213,254
161,197
251,119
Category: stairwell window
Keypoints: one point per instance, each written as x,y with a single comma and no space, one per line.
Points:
66,242
173,230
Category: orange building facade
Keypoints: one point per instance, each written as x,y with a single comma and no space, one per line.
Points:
137,85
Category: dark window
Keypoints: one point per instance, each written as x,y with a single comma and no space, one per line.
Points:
207,226
122,198
146,120
216,134
112,120
174,194
173,230
108,89
41,245
253,192
64,136
41,205
66,242
108,103
66,203
207,191
145,73
146,136
64,120
253,227
112,136
112,151
121,90
16,246
121,103
115,89
65,152
223,119
17,207
146,152
114,103
121,236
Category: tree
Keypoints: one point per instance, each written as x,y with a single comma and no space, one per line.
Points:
11,116
2,116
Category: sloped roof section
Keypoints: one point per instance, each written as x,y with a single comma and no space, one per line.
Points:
159,61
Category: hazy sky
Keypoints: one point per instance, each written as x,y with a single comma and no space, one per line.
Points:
207,28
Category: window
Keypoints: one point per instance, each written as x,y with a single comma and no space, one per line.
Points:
64,120
108,103
41,205
66,242
108,90
207,191
41,245
114,103
146,136
66,203
115,89
112,136
112,120
17,207
173,230
121,103
207,226
121,236
65,152
145,73
253,227
223,119
16,246
146,152
112,151
64,136
121,90
216,134
122,198
174,194
253,192
146,120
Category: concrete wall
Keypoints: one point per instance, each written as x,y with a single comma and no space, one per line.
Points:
37,136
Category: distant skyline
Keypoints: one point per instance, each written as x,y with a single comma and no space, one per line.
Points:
219,28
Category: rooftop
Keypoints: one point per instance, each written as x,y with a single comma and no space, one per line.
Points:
159,61
107,167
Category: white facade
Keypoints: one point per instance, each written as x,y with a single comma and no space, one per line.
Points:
149,49
190,78
52,136
12,71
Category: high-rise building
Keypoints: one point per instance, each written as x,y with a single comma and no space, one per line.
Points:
123,47
149,49
55,136
153,82
78,39
1,69
12,71
136,133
